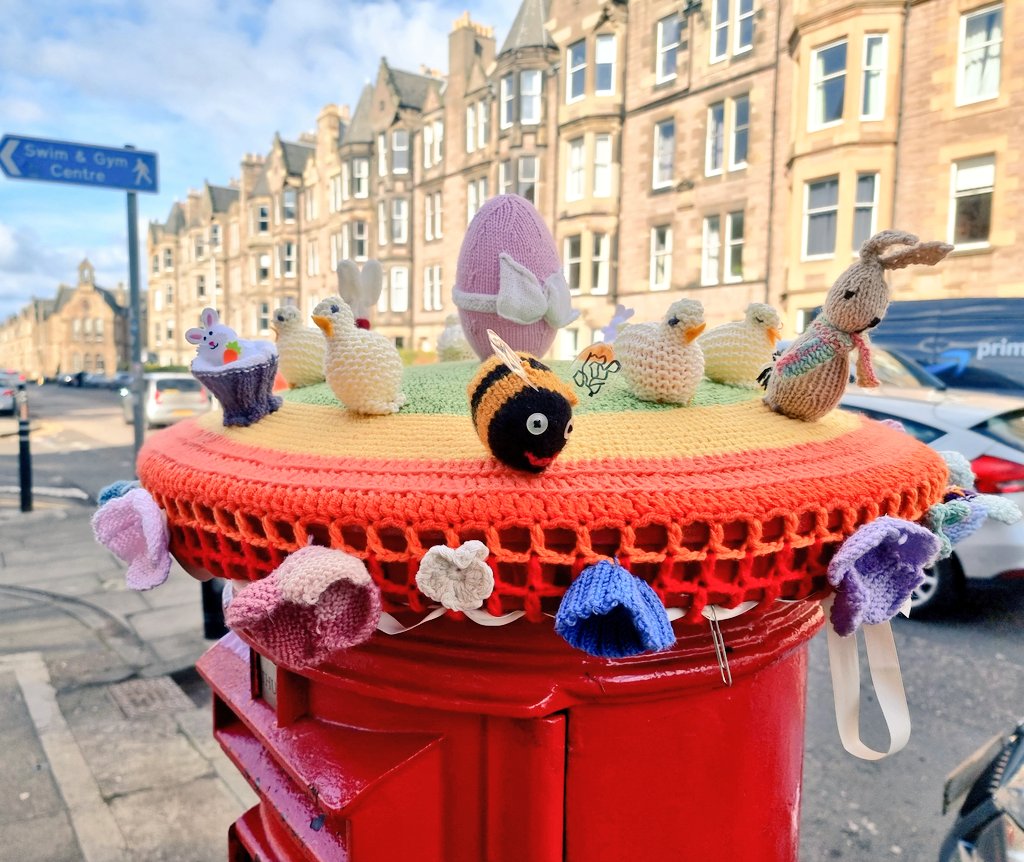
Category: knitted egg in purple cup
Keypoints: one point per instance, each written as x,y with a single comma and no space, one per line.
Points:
510,280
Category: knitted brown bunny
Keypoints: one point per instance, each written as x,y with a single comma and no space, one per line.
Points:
809,378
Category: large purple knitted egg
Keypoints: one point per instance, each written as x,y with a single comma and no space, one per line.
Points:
508,250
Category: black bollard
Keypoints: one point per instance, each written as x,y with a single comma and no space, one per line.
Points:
213,610
24,453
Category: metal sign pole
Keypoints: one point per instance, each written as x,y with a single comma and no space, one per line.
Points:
134,315
24,452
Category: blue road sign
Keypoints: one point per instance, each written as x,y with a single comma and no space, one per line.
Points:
24,158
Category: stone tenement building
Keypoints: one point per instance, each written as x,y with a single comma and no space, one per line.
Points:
84,328
726,150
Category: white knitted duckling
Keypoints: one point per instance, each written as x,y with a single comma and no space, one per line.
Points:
736,353
452,345
301,348
363,368
660,360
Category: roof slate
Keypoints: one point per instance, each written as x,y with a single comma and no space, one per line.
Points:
528,30
221,197
295,156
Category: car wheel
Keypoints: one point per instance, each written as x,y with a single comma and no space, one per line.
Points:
939,591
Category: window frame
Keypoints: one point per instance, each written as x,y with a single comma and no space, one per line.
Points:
504,176
355,239
427,144
806,220
471,127
599,40
735,128
665,254
860,205
360,178
526,97
404,270
730,244
288,263
710,266
569,261
571,71
960,99
602,168
710,171
656,163
662,49
812,124
396,149
483,124
507,101
882,70
600,263
714,26
740,17
522,182
399,221
382,154
954,195
576,170
383,234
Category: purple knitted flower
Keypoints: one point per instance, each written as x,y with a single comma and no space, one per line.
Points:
876,570
133,528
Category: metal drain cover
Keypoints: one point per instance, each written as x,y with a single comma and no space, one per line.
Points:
140,697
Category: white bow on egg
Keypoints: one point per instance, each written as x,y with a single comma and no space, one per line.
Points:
521,297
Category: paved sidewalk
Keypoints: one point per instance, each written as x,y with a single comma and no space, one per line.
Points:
104,725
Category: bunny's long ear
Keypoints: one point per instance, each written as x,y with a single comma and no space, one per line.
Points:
209,317
348,280
924,253
371,282
873,248
194,336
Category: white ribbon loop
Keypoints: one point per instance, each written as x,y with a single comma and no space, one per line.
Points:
884,668
523,299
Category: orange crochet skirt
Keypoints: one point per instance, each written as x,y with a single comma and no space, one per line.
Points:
714,504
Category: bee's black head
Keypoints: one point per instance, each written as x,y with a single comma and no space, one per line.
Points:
530,429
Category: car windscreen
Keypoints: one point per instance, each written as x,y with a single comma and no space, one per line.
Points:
178,384
1007,428
9,381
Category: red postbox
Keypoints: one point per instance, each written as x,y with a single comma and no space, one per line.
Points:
456,744
459,741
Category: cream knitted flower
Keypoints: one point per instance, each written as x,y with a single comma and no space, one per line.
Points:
458,578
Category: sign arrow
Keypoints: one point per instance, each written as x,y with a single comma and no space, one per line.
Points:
6,162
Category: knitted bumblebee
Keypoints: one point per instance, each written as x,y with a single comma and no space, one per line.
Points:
521,410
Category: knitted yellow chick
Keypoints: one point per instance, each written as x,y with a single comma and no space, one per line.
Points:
808,380
301,348
736,353
452,345
363,368
660,361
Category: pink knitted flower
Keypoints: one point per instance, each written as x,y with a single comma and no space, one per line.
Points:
318,602
134,529
509,279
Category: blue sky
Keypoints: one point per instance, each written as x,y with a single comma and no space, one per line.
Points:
201,82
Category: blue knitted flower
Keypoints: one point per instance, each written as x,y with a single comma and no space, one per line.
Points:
609,613
115,490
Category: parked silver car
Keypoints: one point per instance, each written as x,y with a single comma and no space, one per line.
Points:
168,398
8,387
989,431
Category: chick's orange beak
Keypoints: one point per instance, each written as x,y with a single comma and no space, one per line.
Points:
773,335
693,332
325,324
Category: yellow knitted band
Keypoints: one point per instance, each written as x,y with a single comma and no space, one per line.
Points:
695,431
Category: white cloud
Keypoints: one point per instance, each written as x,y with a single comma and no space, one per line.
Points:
201,83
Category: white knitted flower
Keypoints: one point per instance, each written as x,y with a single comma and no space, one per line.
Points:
458,578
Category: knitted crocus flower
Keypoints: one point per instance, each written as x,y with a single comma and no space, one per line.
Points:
318,602
458,578
115,490
134,529
876,569
610,613
953,522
